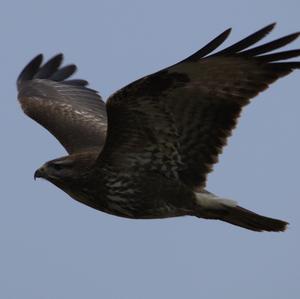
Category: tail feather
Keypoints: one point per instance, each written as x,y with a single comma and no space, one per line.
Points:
250,220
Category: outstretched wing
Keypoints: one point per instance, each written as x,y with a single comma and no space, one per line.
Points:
177,120
74,114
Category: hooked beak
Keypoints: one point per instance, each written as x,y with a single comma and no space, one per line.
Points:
38,174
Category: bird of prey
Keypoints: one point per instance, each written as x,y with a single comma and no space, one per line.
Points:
146,152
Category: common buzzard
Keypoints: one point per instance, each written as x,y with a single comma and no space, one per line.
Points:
146,153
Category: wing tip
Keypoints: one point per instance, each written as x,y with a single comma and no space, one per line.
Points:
39,56
52,69
209,47
271,26
227,31
266,29
30,69
294,35
241,47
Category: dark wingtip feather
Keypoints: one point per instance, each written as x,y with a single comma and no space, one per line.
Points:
211,46
30,69
50,70
269,27
279,56
273,45
247,41
261,53
50,67
64,73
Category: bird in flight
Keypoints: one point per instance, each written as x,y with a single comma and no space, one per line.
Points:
147,151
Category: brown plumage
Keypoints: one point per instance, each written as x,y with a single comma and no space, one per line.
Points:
74,114
150,156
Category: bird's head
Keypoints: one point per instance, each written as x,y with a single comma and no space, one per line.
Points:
66,169
58,169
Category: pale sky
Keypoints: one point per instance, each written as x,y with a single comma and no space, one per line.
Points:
55,248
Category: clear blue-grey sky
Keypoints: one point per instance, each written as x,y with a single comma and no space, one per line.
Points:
55,248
